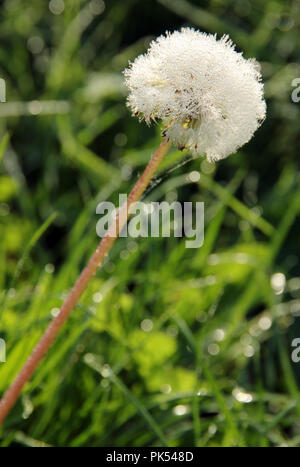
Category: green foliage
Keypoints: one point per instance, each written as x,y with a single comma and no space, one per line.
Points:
168,346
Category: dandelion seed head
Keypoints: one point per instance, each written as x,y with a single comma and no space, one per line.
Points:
208,96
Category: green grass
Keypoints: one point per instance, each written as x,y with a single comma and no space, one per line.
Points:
220,334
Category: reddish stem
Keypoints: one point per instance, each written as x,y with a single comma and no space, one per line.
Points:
13,392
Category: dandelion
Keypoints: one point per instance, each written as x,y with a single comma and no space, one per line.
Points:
210,100
208,96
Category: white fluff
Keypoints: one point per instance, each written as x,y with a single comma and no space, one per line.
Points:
209,97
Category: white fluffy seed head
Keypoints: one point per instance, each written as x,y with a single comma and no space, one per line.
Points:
208,96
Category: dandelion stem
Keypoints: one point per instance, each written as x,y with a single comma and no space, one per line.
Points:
80,285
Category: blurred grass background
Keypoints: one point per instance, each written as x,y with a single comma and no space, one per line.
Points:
168,346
